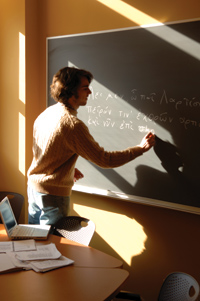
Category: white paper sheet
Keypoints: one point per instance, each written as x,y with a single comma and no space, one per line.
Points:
43,259
19,245
24,245
6,246
6,265
43,252
47,265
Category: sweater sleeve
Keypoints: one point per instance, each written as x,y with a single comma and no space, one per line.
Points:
84,145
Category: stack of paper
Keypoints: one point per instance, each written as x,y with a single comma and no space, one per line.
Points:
25,255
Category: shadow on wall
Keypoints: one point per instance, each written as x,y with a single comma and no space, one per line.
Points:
167,245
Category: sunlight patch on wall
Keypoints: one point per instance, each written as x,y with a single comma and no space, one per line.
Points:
22,67
129,12
123,234
143,20
21,144
21,131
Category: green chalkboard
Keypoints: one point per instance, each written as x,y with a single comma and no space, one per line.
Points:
144,79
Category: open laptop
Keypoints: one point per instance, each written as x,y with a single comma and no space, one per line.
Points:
15,231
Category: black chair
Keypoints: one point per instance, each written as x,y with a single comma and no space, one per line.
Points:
75,228
16,202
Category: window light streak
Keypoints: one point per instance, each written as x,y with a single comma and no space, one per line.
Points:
129,12
91,190
117,230
22,67
174,38
3,232
143,20
21,159
21,131
98,87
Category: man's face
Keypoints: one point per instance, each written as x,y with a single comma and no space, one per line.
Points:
82,92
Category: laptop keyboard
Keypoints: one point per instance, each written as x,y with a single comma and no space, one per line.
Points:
23,231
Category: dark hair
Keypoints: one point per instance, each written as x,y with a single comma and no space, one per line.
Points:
66,82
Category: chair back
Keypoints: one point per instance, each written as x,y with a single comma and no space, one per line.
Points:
179,287
16,202
75,228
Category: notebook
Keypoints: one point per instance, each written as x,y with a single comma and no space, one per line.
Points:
22,231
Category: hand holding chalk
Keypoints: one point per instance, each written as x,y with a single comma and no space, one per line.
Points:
147,142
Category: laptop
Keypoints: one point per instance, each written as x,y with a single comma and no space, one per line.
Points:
22,231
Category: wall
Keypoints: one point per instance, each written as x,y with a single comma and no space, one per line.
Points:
12,96
151,241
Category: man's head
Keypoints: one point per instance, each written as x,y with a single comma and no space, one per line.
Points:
66,82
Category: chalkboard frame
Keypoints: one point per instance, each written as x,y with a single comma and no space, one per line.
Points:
114,193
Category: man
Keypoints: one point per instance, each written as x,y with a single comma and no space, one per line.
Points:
59,137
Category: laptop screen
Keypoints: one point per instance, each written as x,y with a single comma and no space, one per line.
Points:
7,214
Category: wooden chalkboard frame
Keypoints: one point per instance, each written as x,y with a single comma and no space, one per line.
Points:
164,76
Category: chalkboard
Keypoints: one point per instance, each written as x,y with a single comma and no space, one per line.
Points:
145,78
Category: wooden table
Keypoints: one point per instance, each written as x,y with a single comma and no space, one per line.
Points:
95,276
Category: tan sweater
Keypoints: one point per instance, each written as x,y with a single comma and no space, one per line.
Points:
59,137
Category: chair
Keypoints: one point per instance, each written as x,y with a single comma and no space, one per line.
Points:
16,202
179,287
75,228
